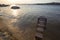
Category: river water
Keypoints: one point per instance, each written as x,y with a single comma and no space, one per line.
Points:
27,15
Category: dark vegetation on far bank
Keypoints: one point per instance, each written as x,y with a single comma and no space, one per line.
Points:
3,5
52,3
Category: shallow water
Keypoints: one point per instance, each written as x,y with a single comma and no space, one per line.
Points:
28,14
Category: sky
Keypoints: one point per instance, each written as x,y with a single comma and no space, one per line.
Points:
26,1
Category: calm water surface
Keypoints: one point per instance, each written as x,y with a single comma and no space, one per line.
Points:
28,14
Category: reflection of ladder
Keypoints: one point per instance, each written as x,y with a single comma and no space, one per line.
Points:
41,26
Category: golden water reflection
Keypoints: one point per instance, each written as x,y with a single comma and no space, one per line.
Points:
10,18
15,13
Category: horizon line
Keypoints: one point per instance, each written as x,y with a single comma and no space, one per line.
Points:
32,3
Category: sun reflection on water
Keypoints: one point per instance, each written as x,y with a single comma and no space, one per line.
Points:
15,13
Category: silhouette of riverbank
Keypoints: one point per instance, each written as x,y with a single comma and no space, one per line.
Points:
3,5
51,3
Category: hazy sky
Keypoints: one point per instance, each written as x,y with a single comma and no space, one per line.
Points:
27,1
